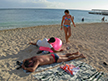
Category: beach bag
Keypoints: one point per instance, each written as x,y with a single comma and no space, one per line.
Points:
69,68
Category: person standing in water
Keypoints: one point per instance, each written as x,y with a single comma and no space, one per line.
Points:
66,22
103,19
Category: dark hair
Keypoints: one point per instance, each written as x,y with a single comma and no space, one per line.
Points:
66,11
52,39
27,64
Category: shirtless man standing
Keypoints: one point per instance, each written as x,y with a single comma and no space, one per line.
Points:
32,63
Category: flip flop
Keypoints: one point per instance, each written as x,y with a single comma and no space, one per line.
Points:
67,48
18,63
105,63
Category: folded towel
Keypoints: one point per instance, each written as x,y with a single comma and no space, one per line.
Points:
71,69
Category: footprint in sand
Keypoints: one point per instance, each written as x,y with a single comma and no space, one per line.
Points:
80,46
75,46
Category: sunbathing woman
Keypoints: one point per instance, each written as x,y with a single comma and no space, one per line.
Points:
66,21
32,63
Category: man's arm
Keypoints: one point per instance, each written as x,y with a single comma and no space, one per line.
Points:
32,69
32,43
25,60
23,63
73,21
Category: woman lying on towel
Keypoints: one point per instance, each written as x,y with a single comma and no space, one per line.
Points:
32,63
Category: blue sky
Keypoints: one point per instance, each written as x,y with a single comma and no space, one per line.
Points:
59,4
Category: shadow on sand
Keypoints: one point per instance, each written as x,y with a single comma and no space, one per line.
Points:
22,54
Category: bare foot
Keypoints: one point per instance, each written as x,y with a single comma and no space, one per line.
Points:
77,53
67,41
61,50
82,56
29,42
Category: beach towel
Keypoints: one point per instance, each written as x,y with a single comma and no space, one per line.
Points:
44,67
85,73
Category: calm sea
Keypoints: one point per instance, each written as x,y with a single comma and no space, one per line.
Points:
18,18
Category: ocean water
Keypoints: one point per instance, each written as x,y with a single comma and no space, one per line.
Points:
18,18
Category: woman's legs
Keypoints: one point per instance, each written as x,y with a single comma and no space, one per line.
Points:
66,37
67,30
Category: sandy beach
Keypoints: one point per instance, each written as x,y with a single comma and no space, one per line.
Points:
90,39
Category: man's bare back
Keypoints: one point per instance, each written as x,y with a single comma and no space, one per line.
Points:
44,59
49,59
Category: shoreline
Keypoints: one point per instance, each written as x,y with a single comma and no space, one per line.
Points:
48,25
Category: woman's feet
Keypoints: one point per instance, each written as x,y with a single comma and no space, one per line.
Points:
67,41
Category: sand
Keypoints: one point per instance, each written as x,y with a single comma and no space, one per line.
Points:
90,39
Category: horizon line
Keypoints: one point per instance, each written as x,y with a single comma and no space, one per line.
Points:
46,8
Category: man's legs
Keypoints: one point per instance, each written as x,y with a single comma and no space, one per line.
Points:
65,58
69,54
69,31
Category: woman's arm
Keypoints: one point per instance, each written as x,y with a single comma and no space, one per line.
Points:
73,21
62,22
